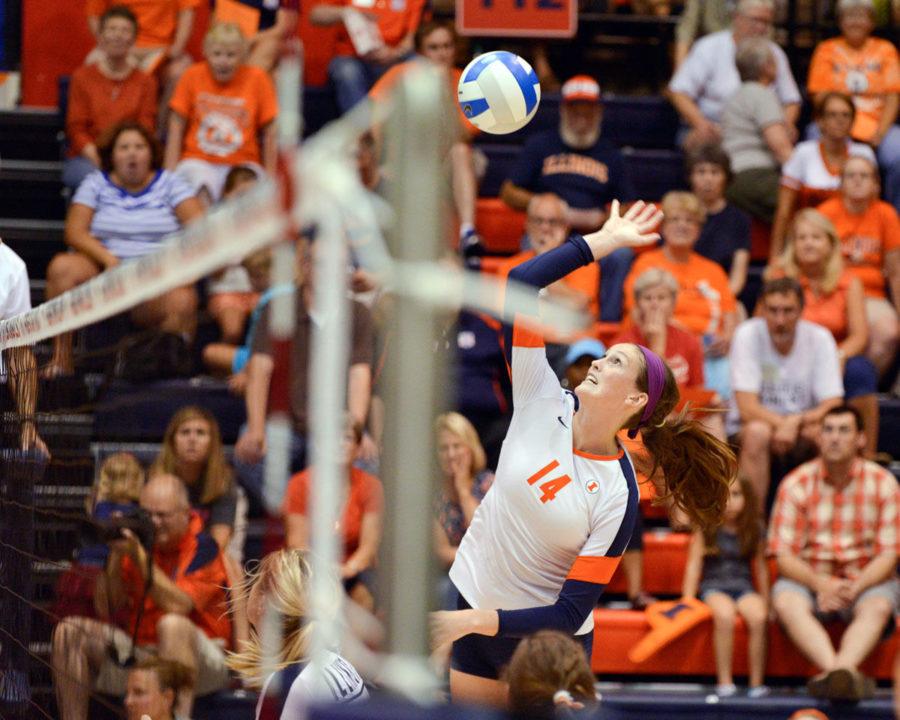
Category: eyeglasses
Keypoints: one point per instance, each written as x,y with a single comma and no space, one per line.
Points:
552,222
843,114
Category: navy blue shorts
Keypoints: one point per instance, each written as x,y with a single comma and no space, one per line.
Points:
860,377
488,657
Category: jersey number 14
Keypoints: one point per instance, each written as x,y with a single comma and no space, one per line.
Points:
549,488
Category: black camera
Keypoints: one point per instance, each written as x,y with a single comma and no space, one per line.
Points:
97,531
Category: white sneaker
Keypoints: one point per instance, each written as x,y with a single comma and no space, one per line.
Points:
760,691
724,691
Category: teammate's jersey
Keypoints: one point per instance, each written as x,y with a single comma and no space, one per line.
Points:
342,685
553,513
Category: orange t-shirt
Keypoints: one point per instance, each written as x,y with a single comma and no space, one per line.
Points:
865,240
867,74
704,295
96,103
385,84
224,121
365,496
395,18
584,280
157,19
197,568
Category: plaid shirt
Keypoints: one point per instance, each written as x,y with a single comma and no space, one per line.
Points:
837,532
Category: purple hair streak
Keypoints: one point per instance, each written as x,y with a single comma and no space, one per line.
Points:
656,381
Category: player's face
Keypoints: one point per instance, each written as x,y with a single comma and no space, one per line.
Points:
781,312
812,246
192,440
859,181
116,37
131,157
143,696
656,301
680,229
836,119
856,25
736,501
224,59
453,454
708,182
839,439
612,378
438,46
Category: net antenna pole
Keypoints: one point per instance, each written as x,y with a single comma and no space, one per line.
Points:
414,378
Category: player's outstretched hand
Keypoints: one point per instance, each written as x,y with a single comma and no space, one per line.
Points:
633,229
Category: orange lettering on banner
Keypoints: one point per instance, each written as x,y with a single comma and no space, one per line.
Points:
517,18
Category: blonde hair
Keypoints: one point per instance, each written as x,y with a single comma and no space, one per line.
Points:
683,200
217,476
224,32
459,425
284,577
653,277
120,480
834,265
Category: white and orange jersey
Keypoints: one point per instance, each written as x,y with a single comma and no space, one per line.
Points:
553,513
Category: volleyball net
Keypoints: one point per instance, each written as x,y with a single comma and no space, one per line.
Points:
57,430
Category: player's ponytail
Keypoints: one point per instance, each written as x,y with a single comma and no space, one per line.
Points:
697,469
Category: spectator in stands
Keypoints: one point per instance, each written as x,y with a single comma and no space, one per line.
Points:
192,451
223,114
373,37
708,77
266,25
812,173
725,237
834,535
105,226
360,524
699,18
834,299
18,365
175,602
869,230
152,687
549,673
164,28
786,375
483,390
720,568
868,69
435,42
755,133
281,585
545,229
104,93
465,481
251,445
585,170
705,305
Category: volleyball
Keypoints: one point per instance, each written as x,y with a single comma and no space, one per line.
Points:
499,92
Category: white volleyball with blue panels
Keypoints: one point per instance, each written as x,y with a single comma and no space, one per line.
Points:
499,92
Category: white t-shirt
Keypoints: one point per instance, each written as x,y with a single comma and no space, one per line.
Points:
15,293
806,166
341,679
552,513
709,76
786,384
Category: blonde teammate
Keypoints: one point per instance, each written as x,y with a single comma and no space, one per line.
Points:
552,529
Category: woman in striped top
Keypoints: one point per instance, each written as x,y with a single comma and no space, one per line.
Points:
121,212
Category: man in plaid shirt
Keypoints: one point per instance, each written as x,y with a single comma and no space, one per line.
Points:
834,533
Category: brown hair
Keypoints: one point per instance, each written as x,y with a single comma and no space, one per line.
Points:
237,175
217,476
171,674
783,286
120,11
749,524
822,101
107,142
541,666
708,153
697,468
430,26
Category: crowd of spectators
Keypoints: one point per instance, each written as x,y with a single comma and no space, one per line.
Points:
790,379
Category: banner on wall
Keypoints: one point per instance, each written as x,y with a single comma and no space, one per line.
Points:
517,18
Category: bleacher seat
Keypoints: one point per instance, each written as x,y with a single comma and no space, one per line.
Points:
501,228
665,556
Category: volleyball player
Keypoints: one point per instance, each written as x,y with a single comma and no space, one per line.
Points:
549,534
